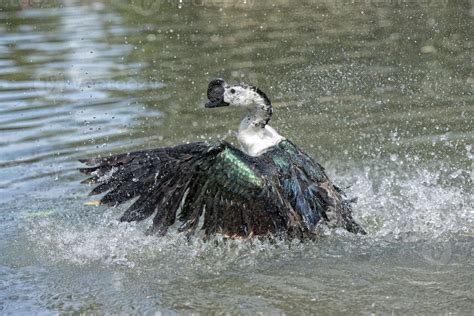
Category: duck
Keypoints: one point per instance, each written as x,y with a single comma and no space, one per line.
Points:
267,188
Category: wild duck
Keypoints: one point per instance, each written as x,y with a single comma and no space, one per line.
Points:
268,188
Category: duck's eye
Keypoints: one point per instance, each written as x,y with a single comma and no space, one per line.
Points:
232,91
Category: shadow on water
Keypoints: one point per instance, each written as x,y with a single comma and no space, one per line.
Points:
380,92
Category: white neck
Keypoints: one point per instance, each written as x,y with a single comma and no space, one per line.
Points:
254,137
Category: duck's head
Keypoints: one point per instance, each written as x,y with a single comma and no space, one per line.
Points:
220,93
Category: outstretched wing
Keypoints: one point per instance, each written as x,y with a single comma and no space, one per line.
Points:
310,192
235,192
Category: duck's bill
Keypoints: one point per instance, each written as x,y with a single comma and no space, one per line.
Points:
216,103
215,94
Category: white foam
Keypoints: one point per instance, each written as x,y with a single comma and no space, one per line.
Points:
393,204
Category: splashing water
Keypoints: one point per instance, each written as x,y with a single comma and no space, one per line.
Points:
408,206
378,94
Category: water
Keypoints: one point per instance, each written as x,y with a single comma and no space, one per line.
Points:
380,92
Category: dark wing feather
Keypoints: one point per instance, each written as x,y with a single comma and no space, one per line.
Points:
311,192
281,192
236,197
231,188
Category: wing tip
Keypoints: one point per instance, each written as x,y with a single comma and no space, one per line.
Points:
93,203
87,170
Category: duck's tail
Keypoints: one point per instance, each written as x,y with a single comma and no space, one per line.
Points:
349,223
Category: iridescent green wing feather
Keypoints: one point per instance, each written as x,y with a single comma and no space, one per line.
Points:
244,199
182,183
236,171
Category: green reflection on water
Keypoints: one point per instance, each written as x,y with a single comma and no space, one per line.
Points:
378,91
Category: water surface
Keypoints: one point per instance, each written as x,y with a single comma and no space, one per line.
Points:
379,92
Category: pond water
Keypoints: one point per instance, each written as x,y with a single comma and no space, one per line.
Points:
379,92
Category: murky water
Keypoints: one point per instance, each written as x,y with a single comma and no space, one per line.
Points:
380,92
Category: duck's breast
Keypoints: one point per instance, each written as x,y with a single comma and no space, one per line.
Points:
256,140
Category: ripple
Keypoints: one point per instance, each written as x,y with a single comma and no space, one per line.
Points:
93,78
